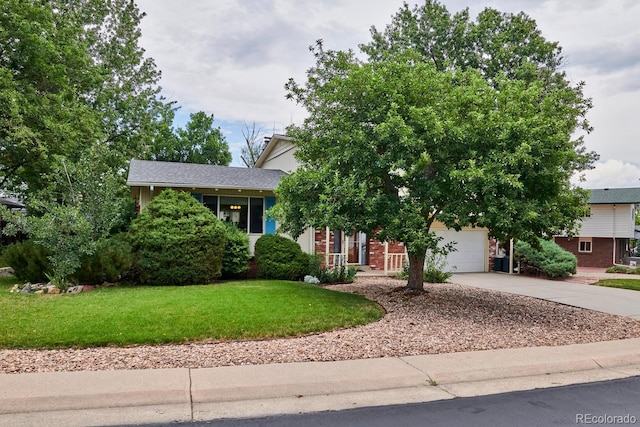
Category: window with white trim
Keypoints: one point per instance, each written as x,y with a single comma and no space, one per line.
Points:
584,245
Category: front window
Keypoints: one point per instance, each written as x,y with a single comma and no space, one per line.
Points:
584,245
235,210
256,215
211,202
247,213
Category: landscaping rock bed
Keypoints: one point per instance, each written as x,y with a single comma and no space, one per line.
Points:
447,318
48,288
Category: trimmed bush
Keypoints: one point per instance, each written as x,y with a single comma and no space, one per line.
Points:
176,241
548,259
112,260
28,260
280,258
236,255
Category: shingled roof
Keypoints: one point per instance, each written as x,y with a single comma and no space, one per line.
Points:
173,174
608,196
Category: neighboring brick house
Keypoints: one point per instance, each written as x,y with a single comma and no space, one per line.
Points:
607,230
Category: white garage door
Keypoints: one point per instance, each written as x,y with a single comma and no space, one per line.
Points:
471,253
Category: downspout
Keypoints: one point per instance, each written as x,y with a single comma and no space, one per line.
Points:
614,234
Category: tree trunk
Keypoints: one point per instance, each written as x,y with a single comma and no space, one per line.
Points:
416,269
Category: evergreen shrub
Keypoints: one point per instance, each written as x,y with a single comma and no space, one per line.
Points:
29,261
176,240
548,258
110,262
236,255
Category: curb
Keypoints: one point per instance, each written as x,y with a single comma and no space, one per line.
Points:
167,395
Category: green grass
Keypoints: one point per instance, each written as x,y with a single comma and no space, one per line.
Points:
633,284
122,316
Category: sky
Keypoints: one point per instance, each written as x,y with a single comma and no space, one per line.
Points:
232,59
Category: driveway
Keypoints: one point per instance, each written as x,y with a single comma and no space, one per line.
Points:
622,302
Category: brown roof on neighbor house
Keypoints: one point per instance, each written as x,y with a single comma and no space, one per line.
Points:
173,174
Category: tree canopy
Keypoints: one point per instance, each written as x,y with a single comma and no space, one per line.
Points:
72,75
431,129
198,142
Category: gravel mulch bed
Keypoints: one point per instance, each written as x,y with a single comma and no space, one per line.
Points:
447,318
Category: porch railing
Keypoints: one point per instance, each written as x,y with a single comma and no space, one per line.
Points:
335,259
394,262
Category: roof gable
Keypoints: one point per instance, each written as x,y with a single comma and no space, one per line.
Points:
173,174
615,195
274,141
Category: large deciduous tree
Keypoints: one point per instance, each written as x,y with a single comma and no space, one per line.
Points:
438,125
72,75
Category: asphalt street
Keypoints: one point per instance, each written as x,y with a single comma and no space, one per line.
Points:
615,402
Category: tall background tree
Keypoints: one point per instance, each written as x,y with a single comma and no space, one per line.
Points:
200,141
254,145
465,123
72,75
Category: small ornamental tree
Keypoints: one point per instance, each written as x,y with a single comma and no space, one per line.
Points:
176,241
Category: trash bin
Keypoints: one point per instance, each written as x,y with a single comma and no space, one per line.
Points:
505,264
497,264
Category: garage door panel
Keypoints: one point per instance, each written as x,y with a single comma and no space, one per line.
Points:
471,250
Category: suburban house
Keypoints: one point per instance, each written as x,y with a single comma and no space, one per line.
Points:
607,230
338,247
236,194
242,195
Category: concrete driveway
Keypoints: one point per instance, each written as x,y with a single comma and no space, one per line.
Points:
622,302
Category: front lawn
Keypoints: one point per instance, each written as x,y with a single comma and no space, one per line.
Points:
154,315
633,284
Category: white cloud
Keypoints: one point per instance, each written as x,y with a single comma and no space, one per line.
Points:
233,57
612,174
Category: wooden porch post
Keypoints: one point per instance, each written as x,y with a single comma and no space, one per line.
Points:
386,254
326,247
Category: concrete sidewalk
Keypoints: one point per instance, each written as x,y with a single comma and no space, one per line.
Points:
622,302
173,395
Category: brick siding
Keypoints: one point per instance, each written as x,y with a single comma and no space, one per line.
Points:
601,251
